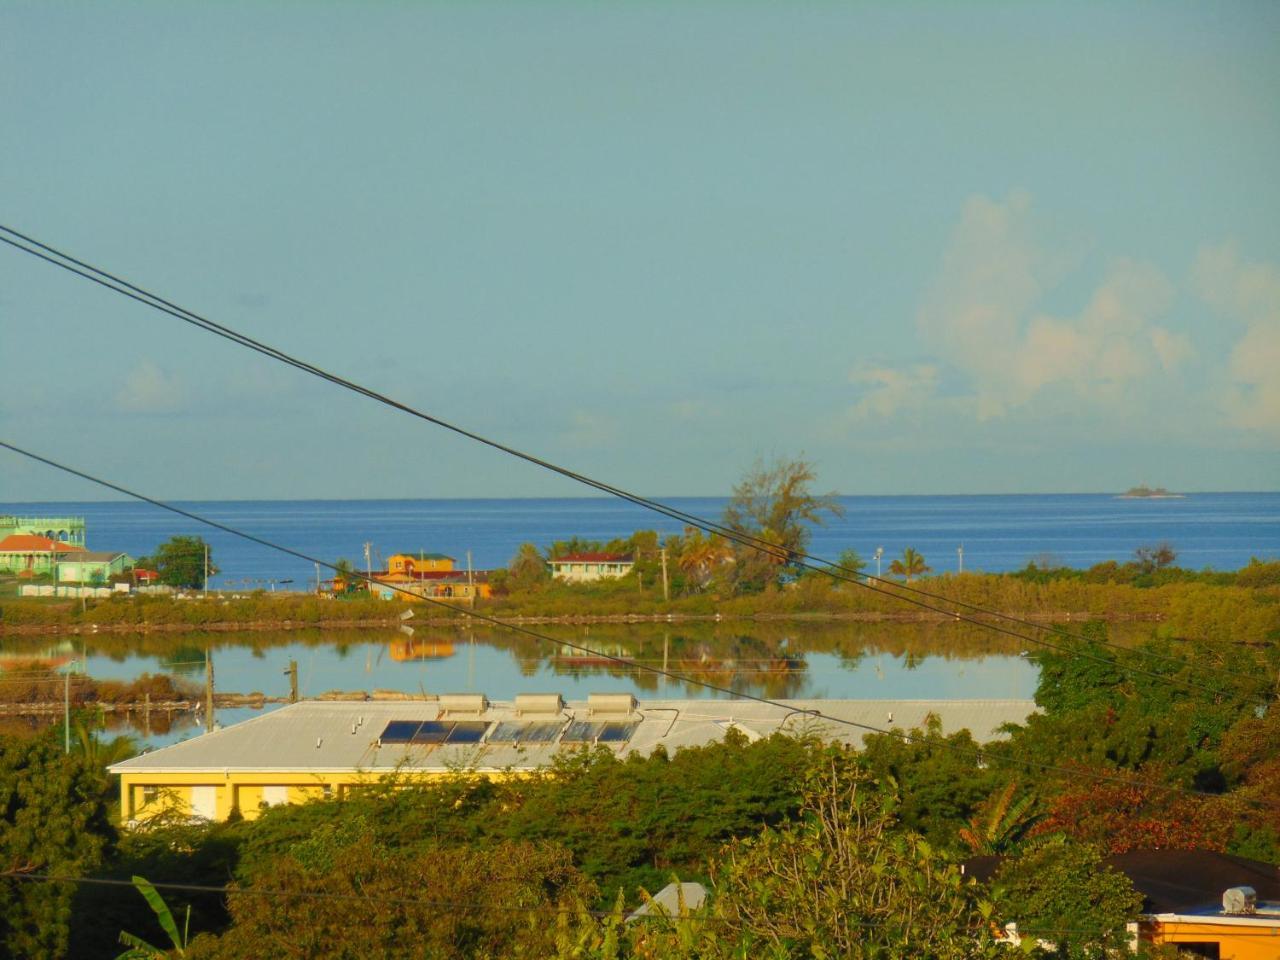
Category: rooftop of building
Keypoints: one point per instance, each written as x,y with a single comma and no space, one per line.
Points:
96,556
1177,881
31,543
419,555
595,557
457,732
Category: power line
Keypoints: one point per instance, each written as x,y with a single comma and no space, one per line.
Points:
464,906
977,755
121,286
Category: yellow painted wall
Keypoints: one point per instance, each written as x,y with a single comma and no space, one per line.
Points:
1237,942
173,791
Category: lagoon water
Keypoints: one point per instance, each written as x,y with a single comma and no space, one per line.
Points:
778,660
998,532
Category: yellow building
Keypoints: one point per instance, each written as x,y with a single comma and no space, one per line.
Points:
327,749
1206,903
419,563
1220,935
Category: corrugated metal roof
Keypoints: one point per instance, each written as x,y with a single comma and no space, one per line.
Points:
315,736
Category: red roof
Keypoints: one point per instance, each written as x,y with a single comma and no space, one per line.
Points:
30,543
593,558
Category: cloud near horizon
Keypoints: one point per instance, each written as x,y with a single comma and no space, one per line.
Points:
149,389
984,326
1249,294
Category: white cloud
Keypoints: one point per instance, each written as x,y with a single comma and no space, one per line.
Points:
980,317
891,391
590,429
148,389
1249,294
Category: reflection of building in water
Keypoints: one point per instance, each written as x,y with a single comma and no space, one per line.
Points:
53,656
602,655
410,649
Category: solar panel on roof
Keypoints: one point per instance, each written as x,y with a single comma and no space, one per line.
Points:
400,731
433,731
582,731
471,731
507,731
540,732
616,732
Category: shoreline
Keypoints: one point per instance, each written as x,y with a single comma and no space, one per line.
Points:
394,623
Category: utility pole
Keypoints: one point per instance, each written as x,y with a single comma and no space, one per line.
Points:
879,554
208,691
368,566
66,706
470,576
317,579
960,554
206,571
666,590
293,681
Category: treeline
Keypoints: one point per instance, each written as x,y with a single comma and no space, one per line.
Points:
808,850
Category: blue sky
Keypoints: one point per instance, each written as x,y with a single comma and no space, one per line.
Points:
935,248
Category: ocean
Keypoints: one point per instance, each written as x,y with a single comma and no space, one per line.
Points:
997,532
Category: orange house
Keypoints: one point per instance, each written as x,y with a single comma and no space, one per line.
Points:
419,563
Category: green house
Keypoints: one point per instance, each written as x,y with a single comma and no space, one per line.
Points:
92,566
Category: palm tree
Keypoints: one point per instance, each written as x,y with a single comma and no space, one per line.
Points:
701,555
999,823
103,753
910,565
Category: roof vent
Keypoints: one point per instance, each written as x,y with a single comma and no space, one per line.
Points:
610,704
452,704
1240,900
538,703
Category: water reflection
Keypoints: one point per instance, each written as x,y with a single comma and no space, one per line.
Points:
771,658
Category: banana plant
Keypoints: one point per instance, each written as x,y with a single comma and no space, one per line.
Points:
139,949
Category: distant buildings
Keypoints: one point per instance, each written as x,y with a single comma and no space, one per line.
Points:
68,530
54,547
32,555
586,567
425,576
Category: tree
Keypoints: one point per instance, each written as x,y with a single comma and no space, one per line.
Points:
346,579
372,901
53,820
851,563
180,561
1151,558
1000,822
844,882
702,555
774,503
911,564
1061,893
527,568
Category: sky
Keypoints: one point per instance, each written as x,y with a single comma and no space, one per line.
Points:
932,248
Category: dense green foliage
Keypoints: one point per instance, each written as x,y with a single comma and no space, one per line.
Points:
181,562
53,822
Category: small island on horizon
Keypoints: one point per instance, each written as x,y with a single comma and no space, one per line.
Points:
1143,492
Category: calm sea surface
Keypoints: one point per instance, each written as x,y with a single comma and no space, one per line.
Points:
776,660
1219,530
